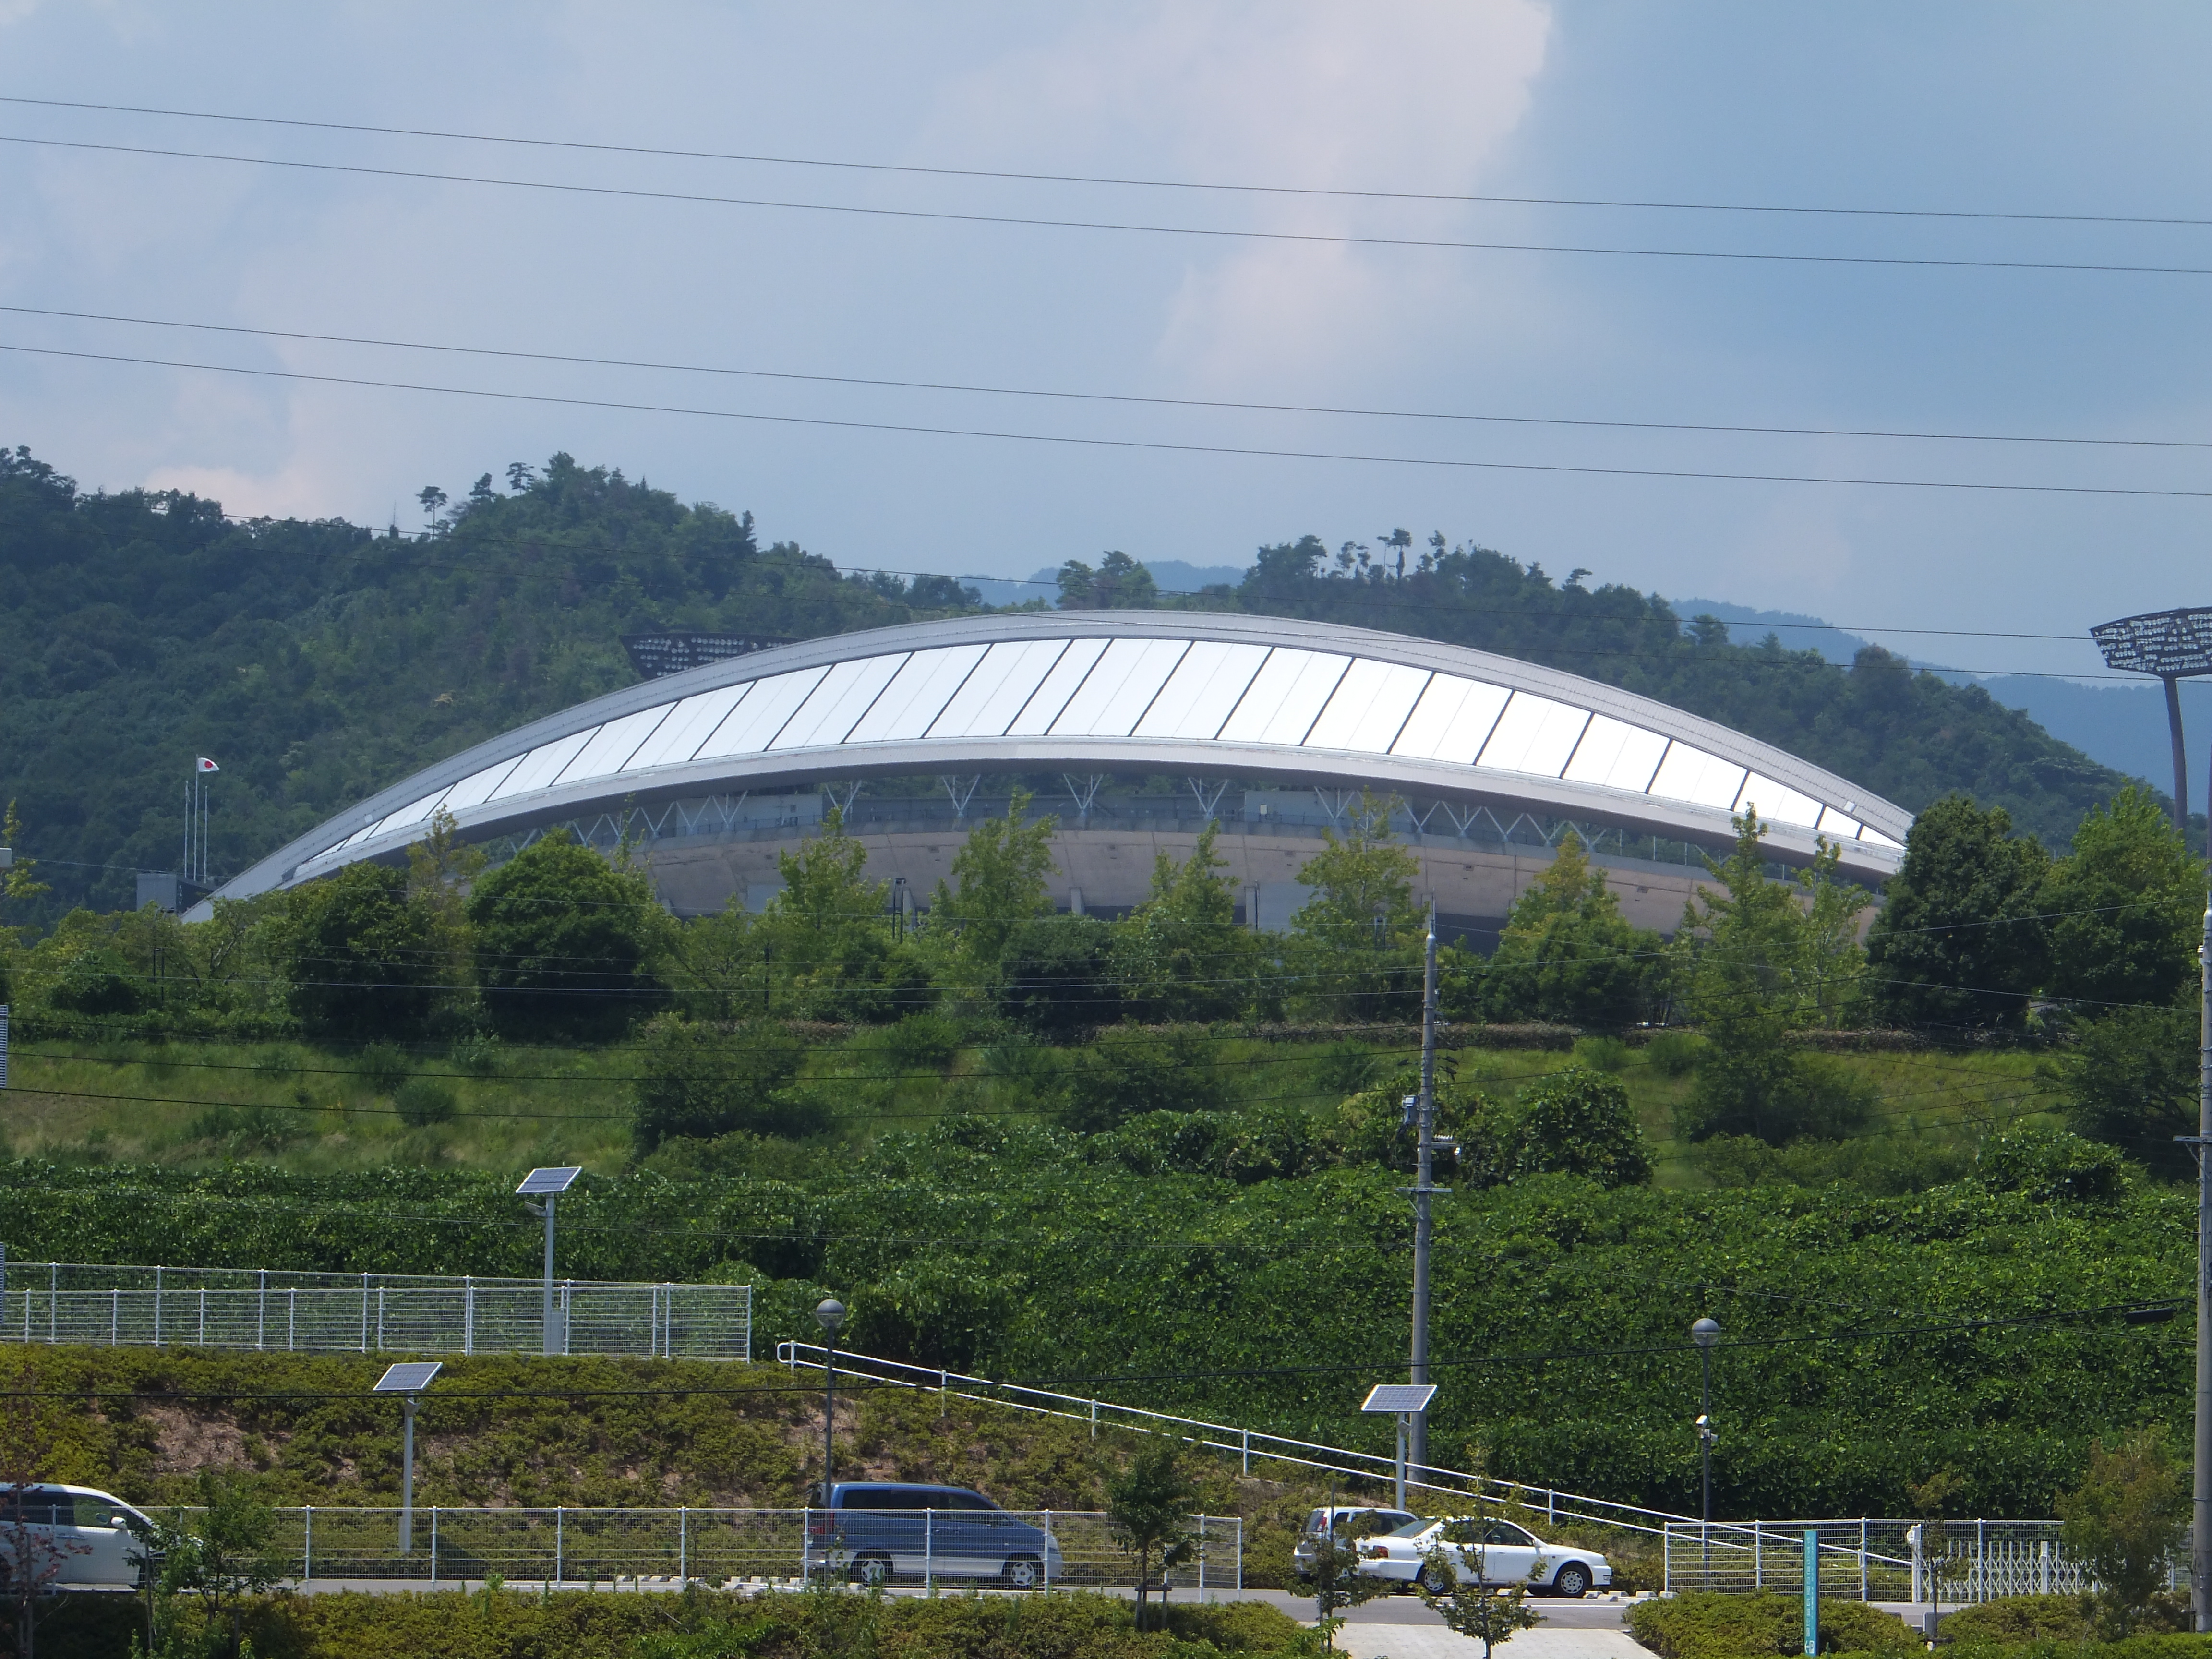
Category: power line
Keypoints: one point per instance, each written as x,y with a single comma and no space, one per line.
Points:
1150,446
912,169
980,390
1038,221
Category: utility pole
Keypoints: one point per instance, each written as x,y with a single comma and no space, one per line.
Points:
1424,1189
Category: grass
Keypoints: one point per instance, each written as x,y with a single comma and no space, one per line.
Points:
321,1110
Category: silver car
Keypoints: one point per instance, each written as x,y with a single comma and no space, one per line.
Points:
1348,1521
71,1538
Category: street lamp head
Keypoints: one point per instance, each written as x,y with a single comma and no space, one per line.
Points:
2175,644
829,1314
1706,1333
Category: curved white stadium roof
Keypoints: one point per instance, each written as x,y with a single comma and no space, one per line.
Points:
1150,691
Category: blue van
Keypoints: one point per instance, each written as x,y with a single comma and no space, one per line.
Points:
878,1531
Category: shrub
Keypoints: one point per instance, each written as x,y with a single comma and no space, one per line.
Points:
422,1101
2015,1619
1674,1053
361,960
1580,1123
383,1065
704,1081
1602,1054
2052,1164
1710,1625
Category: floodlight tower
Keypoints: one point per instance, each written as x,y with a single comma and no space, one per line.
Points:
551,1183
2176,646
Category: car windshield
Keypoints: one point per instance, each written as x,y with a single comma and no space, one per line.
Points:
1412,1529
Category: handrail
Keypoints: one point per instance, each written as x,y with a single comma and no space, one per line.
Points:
1337,1460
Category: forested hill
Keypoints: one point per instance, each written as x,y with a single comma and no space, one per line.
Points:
317,662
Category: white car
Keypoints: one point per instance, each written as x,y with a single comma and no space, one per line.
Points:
71,1538
1484,1552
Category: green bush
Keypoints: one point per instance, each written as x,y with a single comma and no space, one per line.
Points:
2051,1164
1710,1625
383,1065
2014,1620
422,1101
1674,1053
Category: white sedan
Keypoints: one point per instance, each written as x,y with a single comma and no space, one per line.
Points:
1482,1552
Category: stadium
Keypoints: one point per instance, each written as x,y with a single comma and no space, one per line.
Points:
1134,730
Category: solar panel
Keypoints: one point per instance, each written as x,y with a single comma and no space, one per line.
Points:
410,1378
1400,1397
548,1180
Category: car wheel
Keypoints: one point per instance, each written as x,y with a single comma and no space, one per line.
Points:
1437,1580
1023,1572
1574,1580
873,1570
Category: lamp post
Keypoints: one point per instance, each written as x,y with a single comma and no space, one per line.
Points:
2177,645
829,1314
550,1183
408,1380
1705,1333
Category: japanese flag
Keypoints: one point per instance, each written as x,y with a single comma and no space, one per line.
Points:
204,764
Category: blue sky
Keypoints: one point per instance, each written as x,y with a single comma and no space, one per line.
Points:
2012,108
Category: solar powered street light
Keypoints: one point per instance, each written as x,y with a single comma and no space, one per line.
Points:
552,1183
829,1314
408,1380
1405,1401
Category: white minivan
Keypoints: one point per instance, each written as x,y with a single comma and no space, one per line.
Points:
71,1538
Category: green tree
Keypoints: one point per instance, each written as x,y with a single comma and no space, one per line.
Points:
999,877
1766,959
829,933
1959,941
1180,954
700,1081
1147,1512
565,942
2131,1080
1579,1121
440,869
1355,942
360,960
1059,977
1567,954
1118,583
2126,906
1338,1583
224,1554
1471,1607
2124,1523
1127,1072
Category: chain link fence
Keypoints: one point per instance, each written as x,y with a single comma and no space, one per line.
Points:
1877,1560
266,1309
731,1547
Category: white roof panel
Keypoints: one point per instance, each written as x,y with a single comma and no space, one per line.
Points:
1837,826
1201,691
414,813
1535,735
679,737
992,695
1880,840
1285,697
1700,778
1616,756
845,693
1778,802
1369,708
753,722
475,789
1114,694
1058,685
617,741
917,693
537,769
1451,721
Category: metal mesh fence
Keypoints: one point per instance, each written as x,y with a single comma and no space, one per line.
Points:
365,1313
737,1547
1877,1560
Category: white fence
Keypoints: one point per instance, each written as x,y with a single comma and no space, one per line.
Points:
1877,1560
365,1313
718,1546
